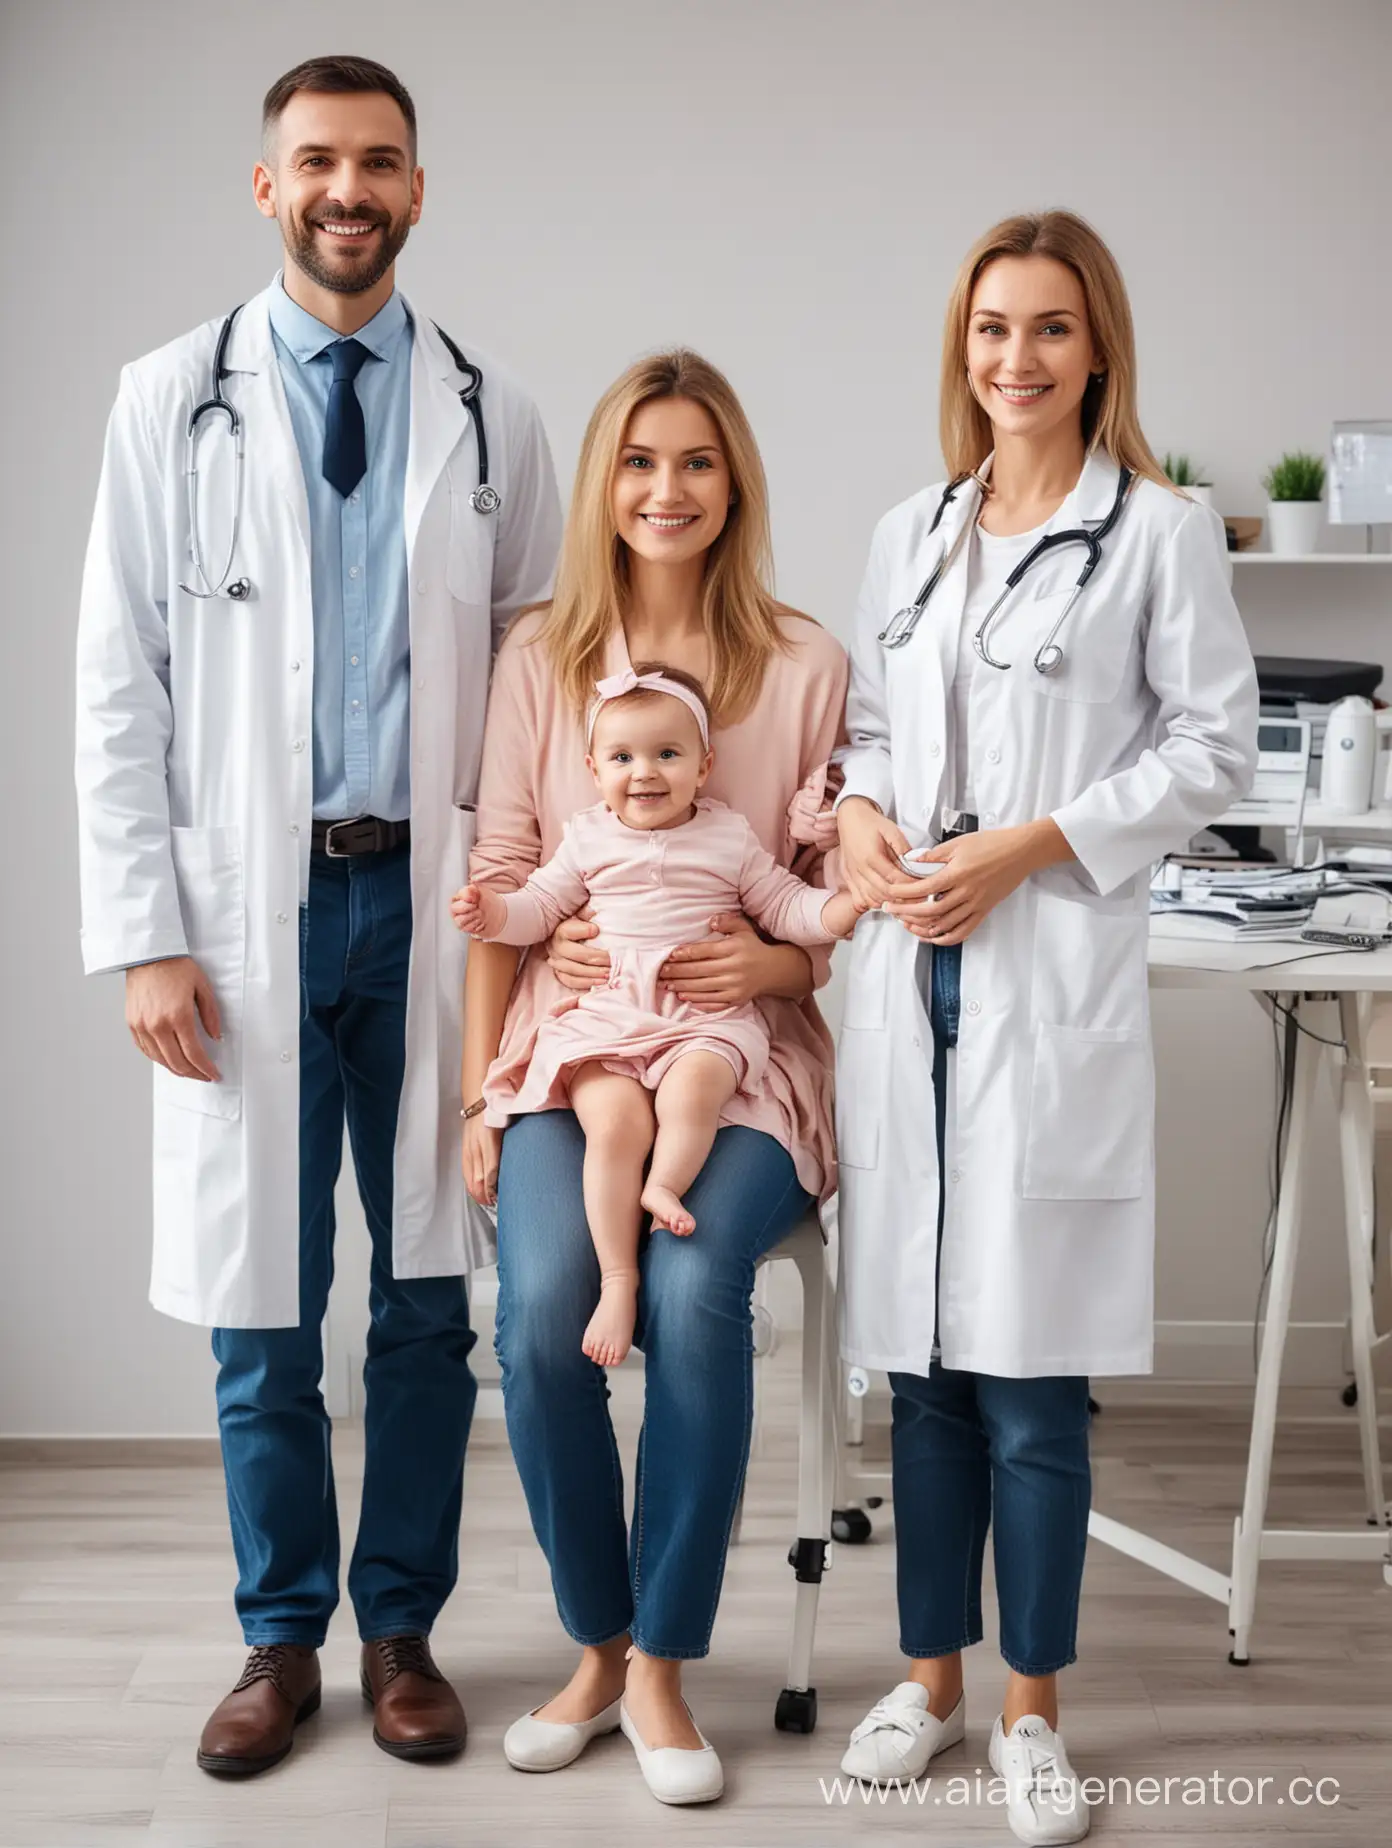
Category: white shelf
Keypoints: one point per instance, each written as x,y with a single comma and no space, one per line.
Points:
1312,558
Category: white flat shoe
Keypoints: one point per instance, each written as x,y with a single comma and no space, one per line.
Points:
899,1737
673,1773
1043,1801
530,1744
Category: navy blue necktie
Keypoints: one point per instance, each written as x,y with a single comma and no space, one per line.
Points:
345,437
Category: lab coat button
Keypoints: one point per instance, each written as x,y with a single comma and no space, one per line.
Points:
294,827
294,667
285,1058
282,917
990,818
298,745
993,755
956,1174
973,1007
420,587
935,749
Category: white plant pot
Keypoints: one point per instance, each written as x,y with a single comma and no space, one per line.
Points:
1204,496
1294,527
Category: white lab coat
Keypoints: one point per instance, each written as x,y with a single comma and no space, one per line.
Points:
194,779
1146,734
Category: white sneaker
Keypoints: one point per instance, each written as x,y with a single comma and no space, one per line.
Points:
1044,1802
530,1744
899,1736
675,1773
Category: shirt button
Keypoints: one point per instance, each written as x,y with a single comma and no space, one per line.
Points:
282,917
352,660
298,745
285,1058
355,496
352,570
973,1007
993,755
356,704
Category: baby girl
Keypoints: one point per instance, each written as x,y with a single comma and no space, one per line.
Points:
656,864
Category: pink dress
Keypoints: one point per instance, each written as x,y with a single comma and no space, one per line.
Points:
534,779
651,889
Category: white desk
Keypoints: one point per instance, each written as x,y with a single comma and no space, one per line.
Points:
1330,995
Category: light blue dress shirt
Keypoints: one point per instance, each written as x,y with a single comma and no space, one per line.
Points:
362,635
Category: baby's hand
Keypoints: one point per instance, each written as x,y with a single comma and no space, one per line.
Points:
478,911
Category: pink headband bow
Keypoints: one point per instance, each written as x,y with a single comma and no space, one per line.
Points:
628,682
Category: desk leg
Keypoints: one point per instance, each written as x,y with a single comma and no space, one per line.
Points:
1356,1156
1321,1018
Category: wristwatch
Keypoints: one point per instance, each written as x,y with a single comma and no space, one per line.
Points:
472,1110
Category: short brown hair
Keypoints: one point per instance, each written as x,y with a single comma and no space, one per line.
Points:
337,77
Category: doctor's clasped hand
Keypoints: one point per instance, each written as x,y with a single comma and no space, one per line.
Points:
970,877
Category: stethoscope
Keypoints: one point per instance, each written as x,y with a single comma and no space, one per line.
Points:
484,499
1048,657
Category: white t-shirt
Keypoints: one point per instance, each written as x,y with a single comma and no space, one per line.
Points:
990,560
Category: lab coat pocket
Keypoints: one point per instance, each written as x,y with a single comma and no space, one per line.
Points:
868,976
1094,639
1091,1115
208,868
469,562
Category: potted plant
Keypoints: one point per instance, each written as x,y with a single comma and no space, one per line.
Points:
1294,486
1187,475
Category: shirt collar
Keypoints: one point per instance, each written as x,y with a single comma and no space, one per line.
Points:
306,337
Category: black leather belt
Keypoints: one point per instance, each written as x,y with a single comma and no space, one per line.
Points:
955,823
342,840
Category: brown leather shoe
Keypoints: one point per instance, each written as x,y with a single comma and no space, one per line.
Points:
254,1727
416,1713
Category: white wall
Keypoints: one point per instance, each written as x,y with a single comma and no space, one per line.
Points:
788,187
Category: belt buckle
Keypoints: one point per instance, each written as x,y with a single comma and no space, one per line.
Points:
336,853
956,822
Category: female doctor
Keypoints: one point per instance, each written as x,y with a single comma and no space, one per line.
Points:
1028,756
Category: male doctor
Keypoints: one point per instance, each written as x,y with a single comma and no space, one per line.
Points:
279,723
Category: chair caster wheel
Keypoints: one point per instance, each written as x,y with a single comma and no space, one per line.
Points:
796,1711
874,1501
850,1526
1350,1393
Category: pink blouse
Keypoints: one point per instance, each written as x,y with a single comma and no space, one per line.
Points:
534,780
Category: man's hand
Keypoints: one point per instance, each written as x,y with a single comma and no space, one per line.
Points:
973,873
164,1003
575,961
478,911
483,1146
870,848
726,969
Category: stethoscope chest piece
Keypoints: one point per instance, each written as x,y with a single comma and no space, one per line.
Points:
486,499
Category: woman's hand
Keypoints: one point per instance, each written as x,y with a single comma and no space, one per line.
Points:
576,962
482,1147
728,968
975,872
870,848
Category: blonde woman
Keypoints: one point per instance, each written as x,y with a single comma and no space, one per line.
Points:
1050,689
665,558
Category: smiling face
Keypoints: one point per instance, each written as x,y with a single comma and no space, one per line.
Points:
341,181
647,758
1030,350
672,487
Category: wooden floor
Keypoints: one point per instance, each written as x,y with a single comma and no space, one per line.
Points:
117,1637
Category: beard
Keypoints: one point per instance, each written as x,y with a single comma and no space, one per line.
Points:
362,271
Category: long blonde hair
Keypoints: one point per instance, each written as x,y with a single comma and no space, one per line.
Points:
1110,419
739,608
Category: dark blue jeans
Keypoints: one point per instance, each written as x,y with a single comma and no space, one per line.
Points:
972,1451
661,1579
355,940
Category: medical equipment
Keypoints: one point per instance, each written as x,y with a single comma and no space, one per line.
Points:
1350,756
1048,657
484,499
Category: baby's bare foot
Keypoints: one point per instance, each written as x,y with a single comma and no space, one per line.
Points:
667,1210
610,1333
